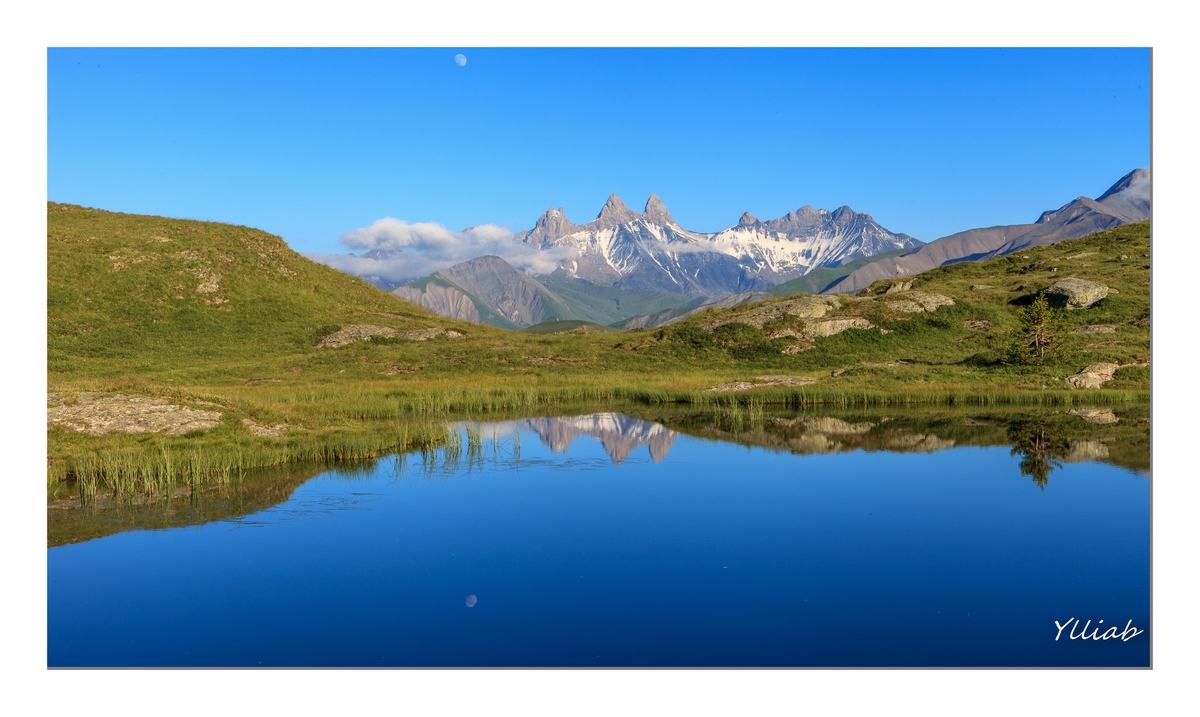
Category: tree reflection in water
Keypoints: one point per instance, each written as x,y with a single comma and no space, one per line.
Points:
1041,453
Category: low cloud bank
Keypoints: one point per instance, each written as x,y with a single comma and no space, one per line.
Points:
398,252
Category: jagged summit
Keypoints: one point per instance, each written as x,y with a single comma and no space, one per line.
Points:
551,226
656,212
615,212
748,220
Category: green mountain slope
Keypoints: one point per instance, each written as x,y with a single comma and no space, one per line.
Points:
487,314
820,279
607,305
140,293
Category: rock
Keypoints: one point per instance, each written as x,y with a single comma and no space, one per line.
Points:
1095,415
1095,329
89,413
1093,376
764,382
980,287
1072,293
806,307
735,386
917,301
830,327
930,302
361,332
908,307
978,324
898,287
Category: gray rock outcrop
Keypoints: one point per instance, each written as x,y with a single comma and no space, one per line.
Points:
831,327
1073,293
806,307
361,332
1093,376
913,302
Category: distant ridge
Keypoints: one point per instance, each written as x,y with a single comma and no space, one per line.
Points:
1126,202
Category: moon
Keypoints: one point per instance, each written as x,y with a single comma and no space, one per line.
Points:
471,600
460,60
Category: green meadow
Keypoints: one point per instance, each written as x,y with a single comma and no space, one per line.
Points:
227,319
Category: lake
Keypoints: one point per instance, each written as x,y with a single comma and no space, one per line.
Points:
727,539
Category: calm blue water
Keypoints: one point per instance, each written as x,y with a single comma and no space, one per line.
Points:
680,552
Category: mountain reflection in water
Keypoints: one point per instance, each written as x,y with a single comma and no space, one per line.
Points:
619,434
1044,441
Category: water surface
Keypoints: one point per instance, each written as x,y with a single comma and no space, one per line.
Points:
605,540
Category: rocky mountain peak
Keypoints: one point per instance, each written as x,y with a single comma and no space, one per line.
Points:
656,212
551,226
748,219
615,212
843,214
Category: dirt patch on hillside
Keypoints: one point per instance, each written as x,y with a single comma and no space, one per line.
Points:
90,413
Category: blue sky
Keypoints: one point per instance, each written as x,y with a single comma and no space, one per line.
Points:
310,144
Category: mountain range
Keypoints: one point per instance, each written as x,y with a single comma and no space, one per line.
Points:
650,251
632,269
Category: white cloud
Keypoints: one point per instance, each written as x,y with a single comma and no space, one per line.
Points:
399,252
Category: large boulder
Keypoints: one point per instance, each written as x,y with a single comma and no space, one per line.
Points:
362,332
1093,376
913,302
830,327
805,307
1072,293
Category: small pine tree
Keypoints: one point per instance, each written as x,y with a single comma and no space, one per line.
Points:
1036,321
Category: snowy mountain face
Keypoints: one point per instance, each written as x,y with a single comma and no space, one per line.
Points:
651,251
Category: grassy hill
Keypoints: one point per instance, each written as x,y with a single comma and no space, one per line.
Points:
133,294
943,348
228,320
